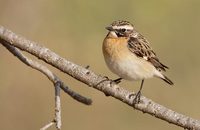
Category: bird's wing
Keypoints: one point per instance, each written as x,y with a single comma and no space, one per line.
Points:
139,46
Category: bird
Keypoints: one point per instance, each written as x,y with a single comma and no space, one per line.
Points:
128,54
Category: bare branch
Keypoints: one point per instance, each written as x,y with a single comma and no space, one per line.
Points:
93,80
51,76
57,120
57,83
57,106
48,125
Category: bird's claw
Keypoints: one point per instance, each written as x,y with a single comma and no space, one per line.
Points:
117,81
136,99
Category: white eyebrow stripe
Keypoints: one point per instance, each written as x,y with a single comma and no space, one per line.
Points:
127,27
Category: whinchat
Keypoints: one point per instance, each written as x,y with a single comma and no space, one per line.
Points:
127,53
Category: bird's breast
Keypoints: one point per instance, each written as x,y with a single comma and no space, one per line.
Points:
115,48
121,61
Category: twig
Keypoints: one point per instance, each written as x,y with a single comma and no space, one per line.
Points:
51,76
57,83
57,106
91,79
57,119
48,125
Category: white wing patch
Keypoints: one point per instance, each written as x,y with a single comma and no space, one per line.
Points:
145,57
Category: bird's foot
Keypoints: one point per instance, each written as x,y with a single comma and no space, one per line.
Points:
105,78
112,82
117,81
136,99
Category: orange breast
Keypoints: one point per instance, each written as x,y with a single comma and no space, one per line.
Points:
115,48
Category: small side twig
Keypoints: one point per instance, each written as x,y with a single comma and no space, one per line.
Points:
51,76
57,106
48,125
57,119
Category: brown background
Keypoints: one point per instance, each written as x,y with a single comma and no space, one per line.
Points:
75,29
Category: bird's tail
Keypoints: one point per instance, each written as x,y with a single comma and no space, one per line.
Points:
167,80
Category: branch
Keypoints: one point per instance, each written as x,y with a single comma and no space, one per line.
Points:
57,106
56,81
57,119
98,82
43,69
48,125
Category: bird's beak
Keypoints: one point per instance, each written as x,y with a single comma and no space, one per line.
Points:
109,28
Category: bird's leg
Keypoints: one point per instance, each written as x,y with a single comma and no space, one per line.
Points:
117,81
136,100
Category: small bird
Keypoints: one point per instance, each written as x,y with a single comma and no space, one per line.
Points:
127,53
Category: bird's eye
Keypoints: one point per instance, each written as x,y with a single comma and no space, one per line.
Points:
123,30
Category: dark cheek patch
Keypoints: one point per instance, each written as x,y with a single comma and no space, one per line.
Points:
120,34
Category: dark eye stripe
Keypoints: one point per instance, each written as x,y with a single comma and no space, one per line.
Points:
123,30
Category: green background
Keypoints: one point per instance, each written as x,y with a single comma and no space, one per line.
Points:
75,30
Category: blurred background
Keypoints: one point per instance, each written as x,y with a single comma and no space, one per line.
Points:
75,30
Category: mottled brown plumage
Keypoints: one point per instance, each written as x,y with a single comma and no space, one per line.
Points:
139,46
121,23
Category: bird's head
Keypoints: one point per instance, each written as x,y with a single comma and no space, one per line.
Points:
120,28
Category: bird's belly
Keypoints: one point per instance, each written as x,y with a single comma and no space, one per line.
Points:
130,67
121,61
